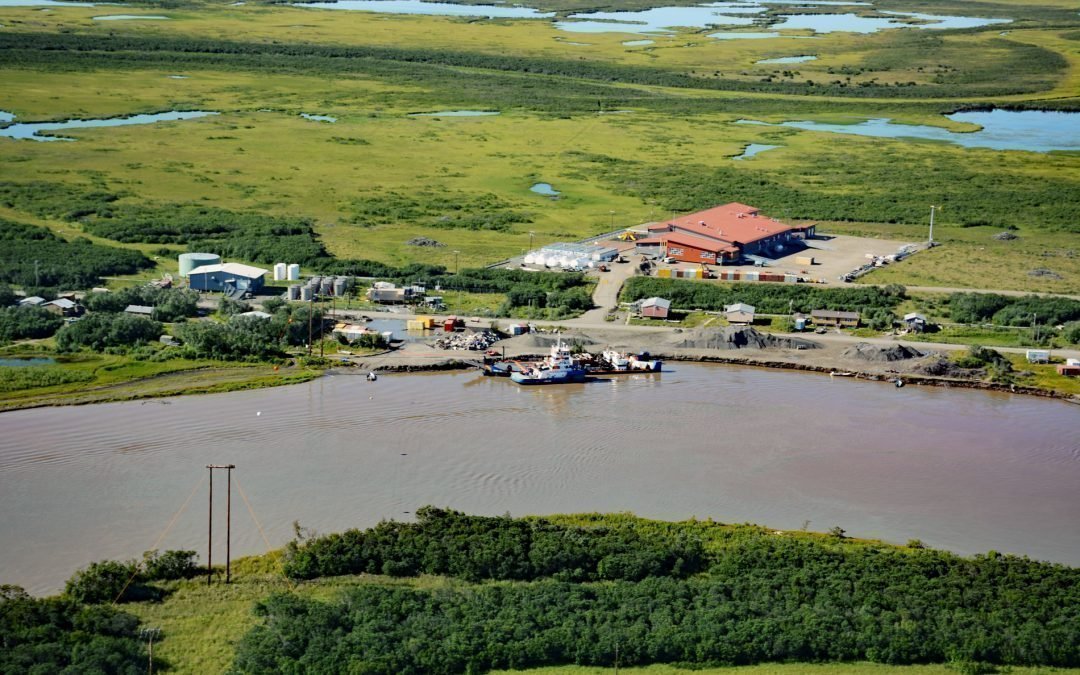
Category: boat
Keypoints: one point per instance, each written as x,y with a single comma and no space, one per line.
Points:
559,367
612,361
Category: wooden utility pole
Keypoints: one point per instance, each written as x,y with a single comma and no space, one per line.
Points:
310,309
228,524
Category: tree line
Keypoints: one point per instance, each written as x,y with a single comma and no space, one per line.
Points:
1012,311
752,596
479,548
33,257
767,298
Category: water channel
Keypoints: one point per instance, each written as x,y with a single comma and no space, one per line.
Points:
958,469
32,130
1032,130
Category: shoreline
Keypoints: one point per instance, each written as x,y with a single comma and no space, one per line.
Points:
419,357
452,364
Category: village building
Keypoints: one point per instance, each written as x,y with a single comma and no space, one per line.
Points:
62,307
830,317
32,301
915,322
656,308
230,278
139,310
722,234
739,314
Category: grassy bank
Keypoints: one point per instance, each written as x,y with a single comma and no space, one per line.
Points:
102,378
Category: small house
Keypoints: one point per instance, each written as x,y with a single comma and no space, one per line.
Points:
62,307
139,310
915,322
1038,356
739,314
32,301
1068,370
832,317
656,308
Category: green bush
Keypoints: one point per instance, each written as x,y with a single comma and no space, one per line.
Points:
60,635
475,548
102,331
34,256
18,323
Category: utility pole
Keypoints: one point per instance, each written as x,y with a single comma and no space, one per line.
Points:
37,274
930,241
228,524
1035,328
150,634
310,309
456,254
531,241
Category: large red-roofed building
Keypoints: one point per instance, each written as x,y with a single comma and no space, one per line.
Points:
722,234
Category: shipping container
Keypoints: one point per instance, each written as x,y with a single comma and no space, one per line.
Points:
663,273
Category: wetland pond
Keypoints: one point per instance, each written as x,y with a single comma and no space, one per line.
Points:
1032,130
789,59
318,118
32,130
456,113
755,149
667,19
965,470
545,189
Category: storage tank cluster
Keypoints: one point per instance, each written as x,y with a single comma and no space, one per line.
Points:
189,261
316,286
578,256
286,272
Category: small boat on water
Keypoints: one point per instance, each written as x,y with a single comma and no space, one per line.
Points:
559,367
612,361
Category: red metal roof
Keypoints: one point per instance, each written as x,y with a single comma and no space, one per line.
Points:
705,244
734,223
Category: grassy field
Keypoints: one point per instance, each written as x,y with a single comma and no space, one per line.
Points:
260,155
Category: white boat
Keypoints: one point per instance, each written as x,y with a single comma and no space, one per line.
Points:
559,367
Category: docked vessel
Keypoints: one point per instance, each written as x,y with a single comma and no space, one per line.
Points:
612,361
559,367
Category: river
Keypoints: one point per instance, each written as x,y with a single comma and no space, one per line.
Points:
969,471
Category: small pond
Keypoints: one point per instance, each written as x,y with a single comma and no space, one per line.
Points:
31,361
318,118
853,23
31,130
131,17
545,189
432,8
789,59
457,113
745,36
178,77
638,43
1032,130
755,149
660,19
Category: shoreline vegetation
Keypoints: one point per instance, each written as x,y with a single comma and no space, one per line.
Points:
580,593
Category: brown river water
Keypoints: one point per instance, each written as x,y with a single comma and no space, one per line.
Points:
963,470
